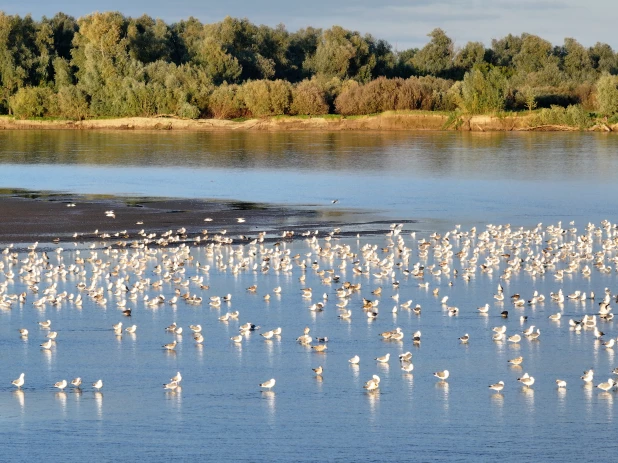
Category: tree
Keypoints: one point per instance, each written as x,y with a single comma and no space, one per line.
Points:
343,54
149,40
469,56
483,90
435,58
607,94
576,62
503,51
301,45
218,65
603,58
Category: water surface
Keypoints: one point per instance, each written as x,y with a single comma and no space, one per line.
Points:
461,177
220,414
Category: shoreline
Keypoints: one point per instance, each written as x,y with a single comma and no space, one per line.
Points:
47,217
389,121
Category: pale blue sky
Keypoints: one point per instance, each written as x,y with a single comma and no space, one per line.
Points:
404,23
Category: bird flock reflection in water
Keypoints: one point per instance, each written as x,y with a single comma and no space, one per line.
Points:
130,274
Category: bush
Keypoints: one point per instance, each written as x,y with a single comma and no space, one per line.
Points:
31,102
573,116
607,95
308,98
266,98
72,103
224,102
188,111
427,93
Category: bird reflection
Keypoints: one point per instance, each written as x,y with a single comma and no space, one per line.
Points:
48,356
98,400
374,401
62,399
528,394
175,397
443,386
271,403
20,396
497,399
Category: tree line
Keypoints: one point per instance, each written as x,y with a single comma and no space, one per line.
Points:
110,65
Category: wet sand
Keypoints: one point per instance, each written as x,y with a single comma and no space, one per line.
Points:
33,216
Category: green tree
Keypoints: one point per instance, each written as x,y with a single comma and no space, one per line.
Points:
607,94
218,65
576,62
469,56
435,58
483,90
149,40
503,51
343,54
603,58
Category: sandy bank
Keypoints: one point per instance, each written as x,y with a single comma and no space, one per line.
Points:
67,218
386,121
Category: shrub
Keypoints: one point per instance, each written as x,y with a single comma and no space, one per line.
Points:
607,94
72,103
266,98
33,102
308,98
224,103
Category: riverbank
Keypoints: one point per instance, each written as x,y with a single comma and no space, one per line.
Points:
386,121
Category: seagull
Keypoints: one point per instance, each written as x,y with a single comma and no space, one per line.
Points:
98,384
268,384
171,327
405,357
384,358
373,383
237,339
354,360
177,378
61,384
561,383
606,386
172,385
465,338
484,309
131,329
516,360
268,334
318,370
19,382
47,344
497,386
76,382
526,379
442,375
514,338
23,332
45,325
588,376
170,346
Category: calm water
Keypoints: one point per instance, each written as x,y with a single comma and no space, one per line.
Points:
220,413
463,177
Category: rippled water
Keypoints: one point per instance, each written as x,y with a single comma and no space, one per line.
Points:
220,414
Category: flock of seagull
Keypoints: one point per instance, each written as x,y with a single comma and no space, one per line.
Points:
122,269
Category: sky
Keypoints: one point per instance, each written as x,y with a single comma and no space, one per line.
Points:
403,23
